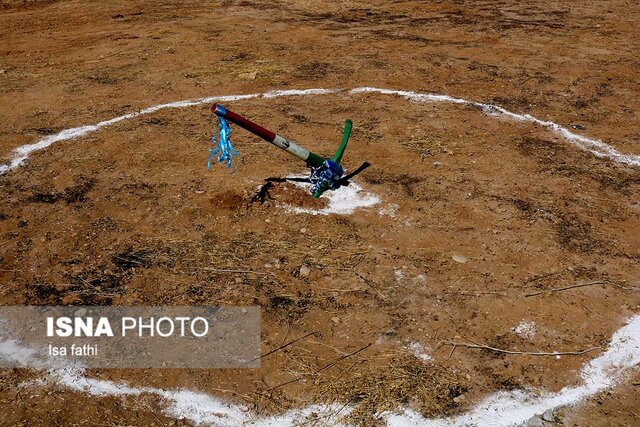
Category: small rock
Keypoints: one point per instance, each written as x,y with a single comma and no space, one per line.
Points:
549,416
248,76
437,164
459,258
335,320
303,230
2,71
459,399
305,270
578,127
80,312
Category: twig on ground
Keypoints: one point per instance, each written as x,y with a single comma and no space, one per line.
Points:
579,285
278,349
474,294
151,411
341,358
327,366
372,284
222,270
455,345
587,308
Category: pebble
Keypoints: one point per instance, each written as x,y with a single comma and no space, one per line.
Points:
459,258
305,270
248,76
549,416
80,312
459,399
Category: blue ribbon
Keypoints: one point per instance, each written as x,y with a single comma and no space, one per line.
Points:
224,148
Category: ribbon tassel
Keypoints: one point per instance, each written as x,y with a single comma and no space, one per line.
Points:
223,146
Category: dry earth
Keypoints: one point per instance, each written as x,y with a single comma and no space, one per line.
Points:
131,215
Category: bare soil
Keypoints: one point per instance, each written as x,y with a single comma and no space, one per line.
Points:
130,215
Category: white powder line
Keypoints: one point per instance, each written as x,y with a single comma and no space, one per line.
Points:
502,409
596,147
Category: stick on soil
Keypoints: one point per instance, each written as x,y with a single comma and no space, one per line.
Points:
579,285
455,345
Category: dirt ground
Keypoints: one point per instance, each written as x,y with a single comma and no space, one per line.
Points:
130,215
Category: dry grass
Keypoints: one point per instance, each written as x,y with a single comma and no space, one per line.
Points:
400,382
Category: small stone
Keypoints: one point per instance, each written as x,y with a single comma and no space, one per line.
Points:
305,270
335,320
248,76
2,71
80,312
303,230
549,416
459,399
244,310
459,258
437,164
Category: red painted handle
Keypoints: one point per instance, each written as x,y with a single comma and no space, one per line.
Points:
244,123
